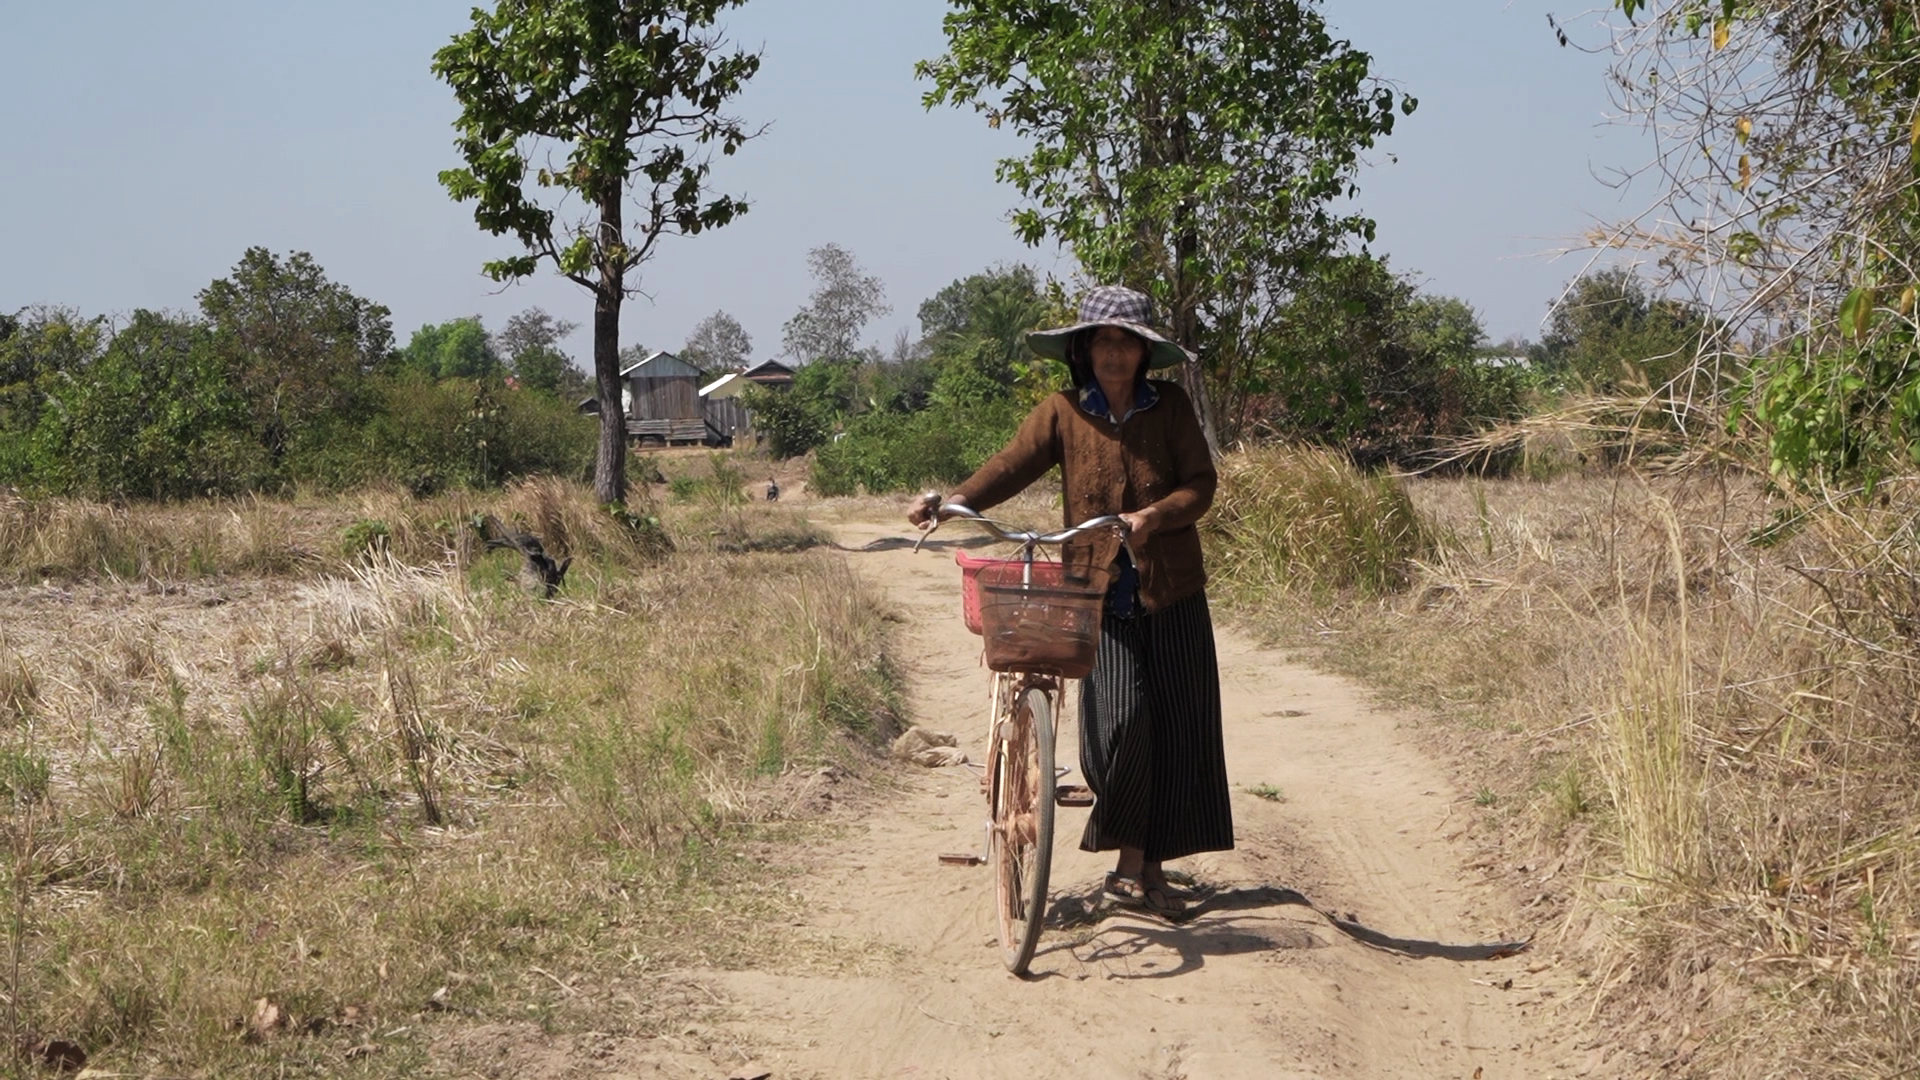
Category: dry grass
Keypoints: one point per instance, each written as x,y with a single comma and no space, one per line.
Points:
1293,519
1708,696
344,782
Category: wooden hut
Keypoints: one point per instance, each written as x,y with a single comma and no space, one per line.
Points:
662,398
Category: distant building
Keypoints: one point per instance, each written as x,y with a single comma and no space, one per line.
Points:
769,373
661,397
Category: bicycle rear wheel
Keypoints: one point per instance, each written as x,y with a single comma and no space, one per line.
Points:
1021,844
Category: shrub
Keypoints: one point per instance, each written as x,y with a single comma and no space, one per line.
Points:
1295,517
887,451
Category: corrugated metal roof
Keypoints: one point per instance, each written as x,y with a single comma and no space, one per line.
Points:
725,386
661,365
766,368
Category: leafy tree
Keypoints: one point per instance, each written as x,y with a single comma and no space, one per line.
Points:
45,348
845,298
1364,361
976,334
155,416
1610,335
718,344
1198,151
619,97
530,343
455,349
296,346
1003,301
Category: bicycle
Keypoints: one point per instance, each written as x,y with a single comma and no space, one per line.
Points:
1040,625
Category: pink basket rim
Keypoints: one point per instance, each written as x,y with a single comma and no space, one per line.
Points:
974,562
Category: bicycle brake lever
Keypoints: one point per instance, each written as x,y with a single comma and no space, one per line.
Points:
935,522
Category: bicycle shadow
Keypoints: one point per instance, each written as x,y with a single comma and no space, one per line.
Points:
899,543
1193,941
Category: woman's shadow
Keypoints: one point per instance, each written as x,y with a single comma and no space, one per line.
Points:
1193,942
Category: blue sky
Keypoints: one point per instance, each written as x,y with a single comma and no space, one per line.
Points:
148,145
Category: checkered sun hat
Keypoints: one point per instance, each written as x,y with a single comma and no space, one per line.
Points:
1111,305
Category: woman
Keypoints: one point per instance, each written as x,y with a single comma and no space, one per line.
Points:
1150,743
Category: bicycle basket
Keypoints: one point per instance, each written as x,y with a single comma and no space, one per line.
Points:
1031,623
1044,573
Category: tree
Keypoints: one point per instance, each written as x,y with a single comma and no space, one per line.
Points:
155,416
976,330
1609,334
719,343
845,298
1362,360
455,349
45,348
530,343
297,346
618,98
1193,150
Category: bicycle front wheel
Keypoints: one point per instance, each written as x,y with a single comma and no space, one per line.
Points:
1021,846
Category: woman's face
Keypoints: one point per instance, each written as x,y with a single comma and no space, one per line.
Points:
1117,354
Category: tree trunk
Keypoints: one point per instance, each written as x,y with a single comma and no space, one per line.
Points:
1167,140
610,463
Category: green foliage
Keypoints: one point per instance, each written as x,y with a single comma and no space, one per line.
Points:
791,424
455,349
1362,360
155,416
934,413
365,536
43,349
296,347
432,436
530,345
1610,336
893,451
1203,152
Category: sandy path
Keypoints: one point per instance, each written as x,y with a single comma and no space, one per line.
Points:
1263,991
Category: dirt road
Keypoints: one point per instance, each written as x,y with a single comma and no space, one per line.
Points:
1364,823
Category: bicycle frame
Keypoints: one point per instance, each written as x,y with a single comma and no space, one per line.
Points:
1021,732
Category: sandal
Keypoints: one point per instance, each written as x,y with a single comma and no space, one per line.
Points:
1179,885
1130,893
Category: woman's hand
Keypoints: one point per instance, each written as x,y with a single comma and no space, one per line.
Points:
921,512
1141,524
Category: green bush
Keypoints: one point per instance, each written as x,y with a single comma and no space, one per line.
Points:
889,451
459,433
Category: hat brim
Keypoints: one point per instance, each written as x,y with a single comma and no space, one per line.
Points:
1160,352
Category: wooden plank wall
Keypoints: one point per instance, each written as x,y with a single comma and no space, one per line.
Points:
671,398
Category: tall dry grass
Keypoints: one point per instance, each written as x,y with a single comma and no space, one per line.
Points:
1704,707
1294,518
400,772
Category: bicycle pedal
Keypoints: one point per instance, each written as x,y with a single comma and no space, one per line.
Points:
1072,795
962,858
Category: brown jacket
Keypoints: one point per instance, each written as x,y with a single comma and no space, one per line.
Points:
1158,457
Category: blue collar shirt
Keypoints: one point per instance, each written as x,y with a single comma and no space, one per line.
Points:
1093,401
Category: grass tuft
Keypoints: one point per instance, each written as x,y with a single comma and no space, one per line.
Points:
1304,520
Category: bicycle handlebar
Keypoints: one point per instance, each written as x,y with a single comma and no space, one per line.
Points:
1026,538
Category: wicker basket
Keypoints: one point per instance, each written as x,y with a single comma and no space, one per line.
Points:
1035,617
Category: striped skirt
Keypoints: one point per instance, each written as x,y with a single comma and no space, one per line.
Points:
1150,743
